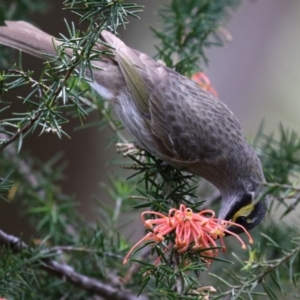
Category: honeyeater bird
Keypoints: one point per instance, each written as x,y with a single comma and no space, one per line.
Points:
171,117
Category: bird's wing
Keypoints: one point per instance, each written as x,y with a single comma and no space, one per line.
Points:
196,124
130,65
187,122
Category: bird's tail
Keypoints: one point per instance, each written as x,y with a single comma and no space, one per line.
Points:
23,36
28,38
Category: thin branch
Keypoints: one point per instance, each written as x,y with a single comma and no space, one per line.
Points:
32,180
67,273
81,249
268,268
271,267
56,93
22,131
179,279
29,124
135,267
282,186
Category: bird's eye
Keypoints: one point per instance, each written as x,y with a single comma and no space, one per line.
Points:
242,220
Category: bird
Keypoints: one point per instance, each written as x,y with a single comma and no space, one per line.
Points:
171,117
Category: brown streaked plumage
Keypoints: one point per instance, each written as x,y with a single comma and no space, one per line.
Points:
171,117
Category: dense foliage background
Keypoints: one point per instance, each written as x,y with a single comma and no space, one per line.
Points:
67,256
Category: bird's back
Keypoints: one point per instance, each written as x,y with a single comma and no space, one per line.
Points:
168,114
181,123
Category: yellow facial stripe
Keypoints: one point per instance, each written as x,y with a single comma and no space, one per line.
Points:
245,211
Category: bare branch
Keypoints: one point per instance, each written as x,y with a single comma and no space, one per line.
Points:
22,131
282,186
31,179
68,274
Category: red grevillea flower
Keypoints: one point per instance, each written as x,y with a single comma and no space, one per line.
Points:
195,231
204,82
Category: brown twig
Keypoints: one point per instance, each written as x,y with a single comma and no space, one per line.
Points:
22,131
179,279
60,249
67,273
32,120
135,267
281,186
31,179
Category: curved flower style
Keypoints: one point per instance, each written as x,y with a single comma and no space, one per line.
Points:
203,81
195,231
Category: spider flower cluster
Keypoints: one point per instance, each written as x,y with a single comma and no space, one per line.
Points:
197,232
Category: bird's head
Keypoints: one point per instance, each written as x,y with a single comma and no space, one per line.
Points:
244,210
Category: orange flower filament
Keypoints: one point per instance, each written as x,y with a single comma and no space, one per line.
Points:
196,231
203,81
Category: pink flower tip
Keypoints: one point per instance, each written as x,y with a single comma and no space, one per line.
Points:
203,81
